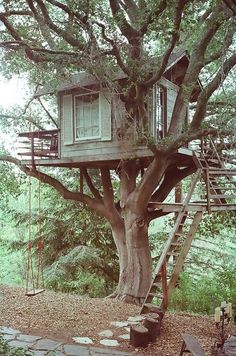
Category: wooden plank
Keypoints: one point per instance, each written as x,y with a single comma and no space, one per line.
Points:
190,344
33,292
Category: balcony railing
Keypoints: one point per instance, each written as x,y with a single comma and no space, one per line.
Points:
38,144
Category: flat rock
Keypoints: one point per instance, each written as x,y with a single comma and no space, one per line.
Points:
136,318
8,337
125,336
83,340
74,350
46,344
127,328
28,338
106,333
109,342
119,324
17,343
9,331
98,351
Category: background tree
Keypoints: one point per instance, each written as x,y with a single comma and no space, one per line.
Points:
103,37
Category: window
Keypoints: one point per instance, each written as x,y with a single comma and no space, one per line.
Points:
87,116
158,111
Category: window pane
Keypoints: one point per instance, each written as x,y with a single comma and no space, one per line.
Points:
87,116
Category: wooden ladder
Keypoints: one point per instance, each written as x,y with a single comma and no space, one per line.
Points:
167,271
214,171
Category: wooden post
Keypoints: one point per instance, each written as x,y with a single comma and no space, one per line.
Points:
153,326
139,336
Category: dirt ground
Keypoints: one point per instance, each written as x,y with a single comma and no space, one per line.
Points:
62,316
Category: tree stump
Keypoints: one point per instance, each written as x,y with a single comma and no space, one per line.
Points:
139,336
153,326
156,310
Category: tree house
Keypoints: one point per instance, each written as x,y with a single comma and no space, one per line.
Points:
90,133
92,118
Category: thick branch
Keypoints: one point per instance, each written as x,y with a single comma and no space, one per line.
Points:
97,205
59,31
126,29
107,186
173,176
174,38
209,90
90,184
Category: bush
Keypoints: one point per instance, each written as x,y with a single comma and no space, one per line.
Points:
205,293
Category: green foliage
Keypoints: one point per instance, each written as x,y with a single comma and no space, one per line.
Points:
6,350
202,295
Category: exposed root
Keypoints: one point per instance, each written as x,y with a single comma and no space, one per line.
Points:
111,296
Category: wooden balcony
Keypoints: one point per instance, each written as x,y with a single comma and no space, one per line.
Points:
38,144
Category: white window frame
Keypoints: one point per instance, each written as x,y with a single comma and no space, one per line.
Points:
94,138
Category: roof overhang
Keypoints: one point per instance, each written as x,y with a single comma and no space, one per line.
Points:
84,79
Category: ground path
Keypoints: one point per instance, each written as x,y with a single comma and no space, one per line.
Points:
61,317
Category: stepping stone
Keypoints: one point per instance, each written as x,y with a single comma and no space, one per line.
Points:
8,337
109,342
83,340
75,350
125,336
28,338
98,351
16,343
119,324
106,333
137,318
46,345
10,331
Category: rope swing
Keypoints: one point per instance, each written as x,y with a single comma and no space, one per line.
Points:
34,274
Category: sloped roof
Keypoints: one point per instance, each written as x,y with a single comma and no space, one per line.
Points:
83,79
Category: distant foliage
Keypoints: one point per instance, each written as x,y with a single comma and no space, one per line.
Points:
207,293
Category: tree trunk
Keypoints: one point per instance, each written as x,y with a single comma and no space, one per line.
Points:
134,257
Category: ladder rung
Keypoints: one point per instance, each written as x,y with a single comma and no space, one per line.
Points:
174,254
176,244
158,295
222,196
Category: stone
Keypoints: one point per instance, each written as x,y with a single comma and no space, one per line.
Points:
74,350
119,324
38,353
124,336
106,333
83,340
10,331
7,337
97,351
46,344
109,342
137,318
16,343
28,338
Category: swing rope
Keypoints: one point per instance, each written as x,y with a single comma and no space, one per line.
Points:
34,280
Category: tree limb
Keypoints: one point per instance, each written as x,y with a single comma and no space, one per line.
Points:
97,205
209,90
174,38
90,184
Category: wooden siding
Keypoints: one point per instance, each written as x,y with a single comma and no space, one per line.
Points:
111,111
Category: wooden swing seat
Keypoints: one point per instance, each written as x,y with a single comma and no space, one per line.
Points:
33,292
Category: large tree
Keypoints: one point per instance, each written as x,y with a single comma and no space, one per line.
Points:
103,37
